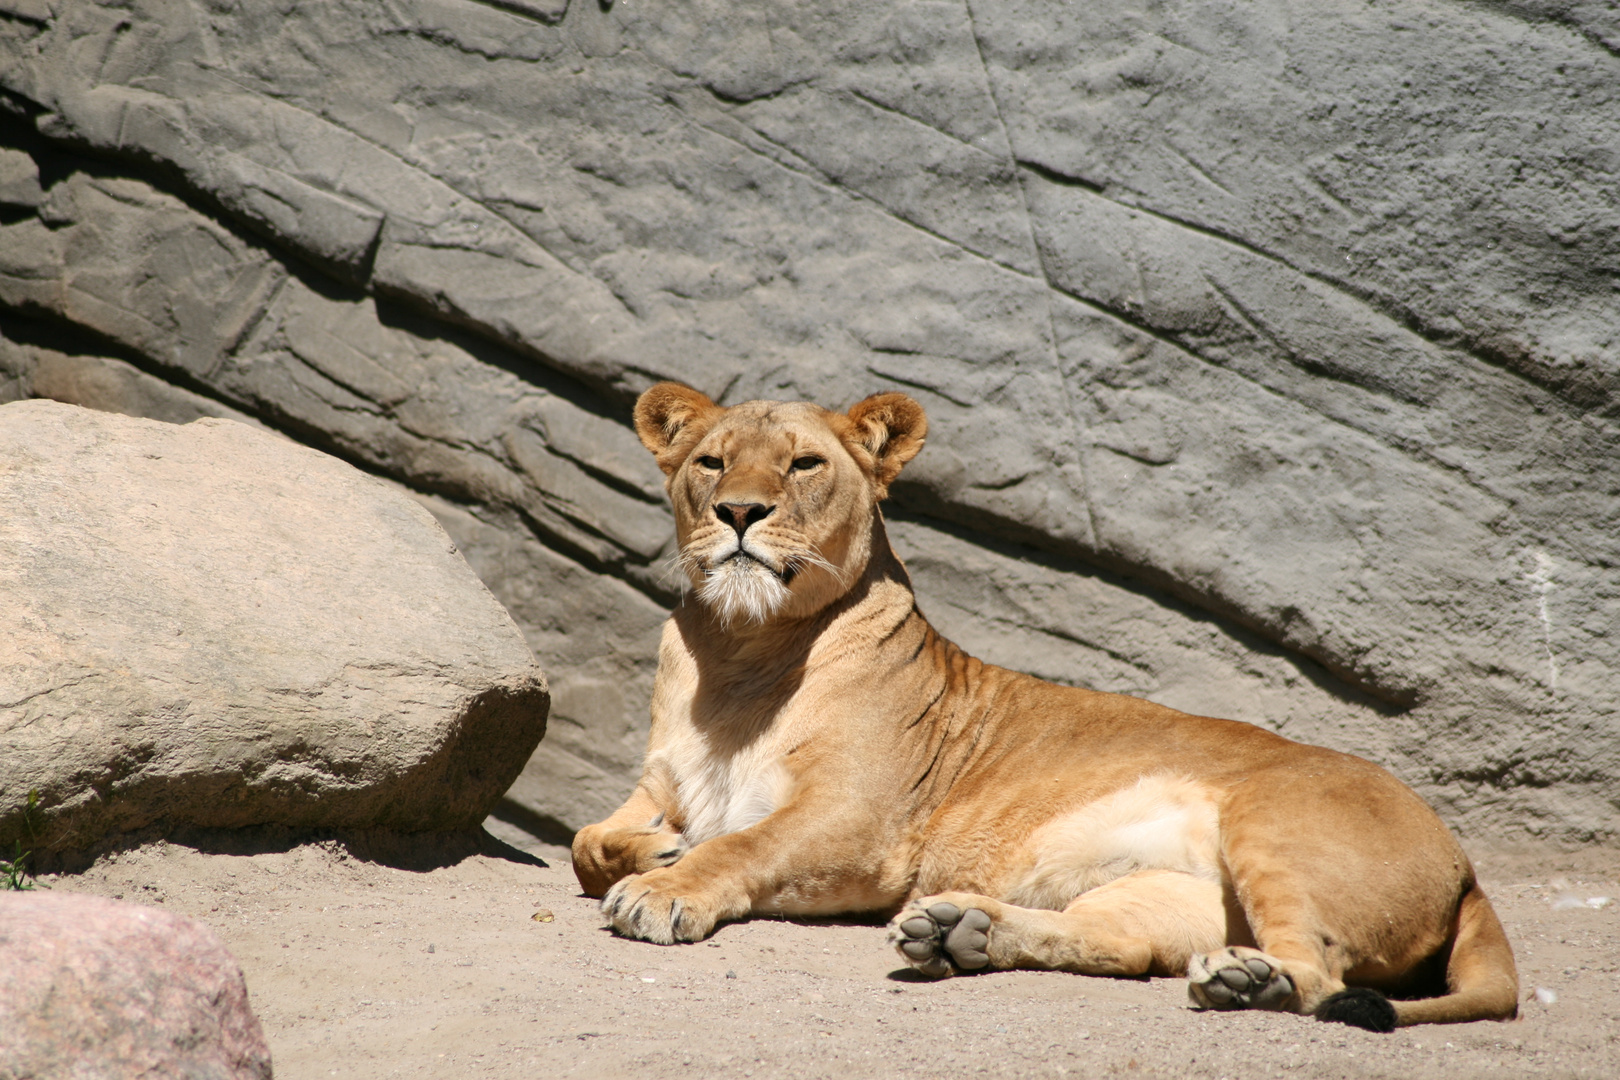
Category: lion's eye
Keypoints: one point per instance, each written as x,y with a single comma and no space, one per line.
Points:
804,464
709,462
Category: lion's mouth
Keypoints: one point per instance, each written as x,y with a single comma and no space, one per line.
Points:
785,574
743,587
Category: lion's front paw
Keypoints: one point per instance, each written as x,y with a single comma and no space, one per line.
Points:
936,936
1238,978
649,907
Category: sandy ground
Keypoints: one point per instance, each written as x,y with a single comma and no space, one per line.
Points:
360,969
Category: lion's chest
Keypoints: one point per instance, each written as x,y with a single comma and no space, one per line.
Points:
726,793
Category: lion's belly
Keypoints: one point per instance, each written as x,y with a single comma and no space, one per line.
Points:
1160,822
720,795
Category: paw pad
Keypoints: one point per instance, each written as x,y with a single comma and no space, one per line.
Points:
1231,979
942,935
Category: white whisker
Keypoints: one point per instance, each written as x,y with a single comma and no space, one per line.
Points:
800,559
686,561
675,569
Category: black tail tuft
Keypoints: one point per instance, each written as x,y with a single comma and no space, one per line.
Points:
1359,1007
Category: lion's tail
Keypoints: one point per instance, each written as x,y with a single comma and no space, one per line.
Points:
1483,982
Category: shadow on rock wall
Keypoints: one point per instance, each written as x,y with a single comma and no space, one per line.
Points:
1272,351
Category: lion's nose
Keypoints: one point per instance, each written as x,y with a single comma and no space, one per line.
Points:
741,515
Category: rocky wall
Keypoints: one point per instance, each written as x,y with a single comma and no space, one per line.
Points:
1271,350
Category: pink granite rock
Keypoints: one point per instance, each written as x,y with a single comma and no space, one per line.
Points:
99,988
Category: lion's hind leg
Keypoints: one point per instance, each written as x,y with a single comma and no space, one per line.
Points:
1297,963
1364,895
1148,923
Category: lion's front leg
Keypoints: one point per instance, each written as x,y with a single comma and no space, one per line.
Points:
797,860
605,852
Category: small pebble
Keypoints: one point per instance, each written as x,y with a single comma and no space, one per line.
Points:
543,915
430,948
731,974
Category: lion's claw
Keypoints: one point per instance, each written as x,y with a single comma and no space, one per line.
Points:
637,907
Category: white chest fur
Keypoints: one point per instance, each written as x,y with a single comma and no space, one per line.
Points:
725,793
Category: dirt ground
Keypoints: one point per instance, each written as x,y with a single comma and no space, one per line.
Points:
361,969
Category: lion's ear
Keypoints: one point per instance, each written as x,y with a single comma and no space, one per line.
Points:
670,418
891,429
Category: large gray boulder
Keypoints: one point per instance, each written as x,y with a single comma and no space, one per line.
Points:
1270,351
211,625
96,988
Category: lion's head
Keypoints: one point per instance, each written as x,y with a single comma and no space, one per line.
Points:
775,501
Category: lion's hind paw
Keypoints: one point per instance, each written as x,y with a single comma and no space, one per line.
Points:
1237,978
942,937
674,848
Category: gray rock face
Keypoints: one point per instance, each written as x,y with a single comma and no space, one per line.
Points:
1275,347
211,625
98,988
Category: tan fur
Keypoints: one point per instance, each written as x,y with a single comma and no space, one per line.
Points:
818,748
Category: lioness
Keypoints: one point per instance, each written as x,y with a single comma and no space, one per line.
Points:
817,748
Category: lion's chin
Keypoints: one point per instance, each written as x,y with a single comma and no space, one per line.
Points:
742,589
